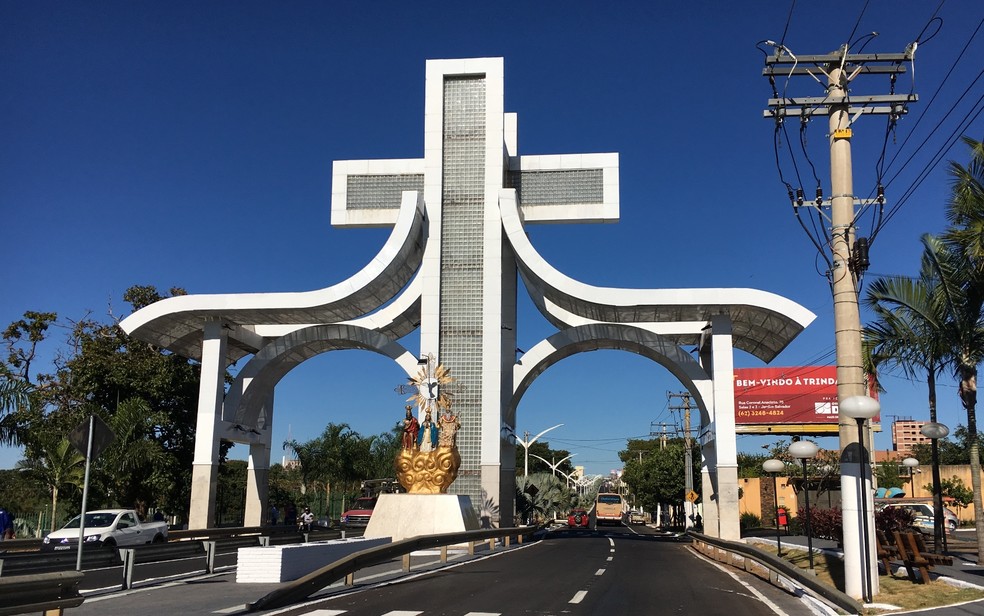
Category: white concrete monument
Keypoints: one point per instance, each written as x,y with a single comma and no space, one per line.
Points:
458,216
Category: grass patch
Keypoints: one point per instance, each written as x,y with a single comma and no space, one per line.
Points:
898,591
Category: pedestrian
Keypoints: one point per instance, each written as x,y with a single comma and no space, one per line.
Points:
274,515
6,525
307,519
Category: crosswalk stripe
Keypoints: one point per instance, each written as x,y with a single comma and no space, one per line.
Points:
483,614
326,613
402,613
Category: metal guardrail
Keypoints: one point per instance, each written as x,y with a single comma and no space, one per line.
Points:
39,593
302,588
778,566
47,562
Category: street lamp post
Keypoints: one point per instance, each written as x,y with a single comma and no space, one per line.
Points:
862,408
912,464
554,466
526,442
803,451
773,467
935,431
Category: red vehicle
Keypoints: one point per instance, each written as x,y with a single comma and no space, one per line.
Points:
577,518
360,512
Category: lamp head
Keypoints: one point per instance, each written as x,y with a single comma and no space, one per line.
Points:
910,462
773,466
859,407
803,450
934,430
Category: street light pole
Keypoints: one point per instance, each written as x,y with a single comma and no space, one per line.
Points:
555,466
935,431
526,442
912,464
803,451
773,467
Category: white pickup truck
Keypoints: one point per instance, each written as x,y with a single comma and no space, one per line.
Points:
108,527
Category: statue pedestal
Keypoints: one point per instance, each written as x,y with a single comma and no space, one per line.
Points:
402,516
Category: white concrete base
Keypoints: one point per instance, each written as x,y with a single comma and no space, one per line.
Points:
282,563
402,516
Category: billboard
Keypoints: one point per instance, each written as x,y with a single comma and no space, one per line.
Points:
800,395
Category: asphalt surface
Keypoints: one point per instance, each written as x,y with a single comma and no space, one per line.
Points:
614,571
617,571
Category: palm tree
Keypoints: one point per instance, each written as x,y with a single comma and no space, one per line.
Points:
962,257
57,466
326,458
14,395
906,334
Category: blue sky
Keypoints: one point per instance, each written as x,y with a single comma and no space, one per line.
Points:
190,144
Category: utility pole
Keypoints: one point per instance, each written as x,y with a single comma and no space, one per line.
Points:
688,463
849,255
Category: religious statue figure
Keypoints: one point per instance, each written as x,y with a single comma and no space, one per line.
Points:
428,434
410,429
430,467
449,424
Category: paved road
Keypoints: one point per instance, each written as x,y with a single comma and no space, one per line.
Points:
614,571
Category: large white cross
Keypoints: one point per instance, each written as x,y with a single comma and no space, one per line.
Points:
468,290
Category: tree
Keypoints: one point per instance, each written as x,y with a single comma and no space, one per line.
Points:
14,395
961,269
58,466
657,476
326,459
541,494
101,370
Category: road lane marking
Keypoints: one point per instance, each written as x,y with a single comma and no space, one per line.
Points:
578,596
600,572
758,595
611,542
610,558
326,612
484,614
402,613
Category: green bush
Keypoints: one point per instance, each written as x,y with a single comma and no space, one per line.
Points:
749,520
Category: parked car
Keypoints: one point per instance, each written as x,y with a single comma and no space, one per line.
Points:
359,513
578,518
924,516
108,527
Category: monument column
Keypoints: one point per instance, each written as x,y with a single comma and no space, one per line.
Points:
204,474
725,448
258,471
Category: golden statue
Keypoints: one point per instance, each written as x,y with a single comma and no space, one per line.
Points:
427,470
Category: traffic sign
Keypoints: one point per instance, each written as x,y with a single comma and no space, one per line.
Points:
102,436
692,496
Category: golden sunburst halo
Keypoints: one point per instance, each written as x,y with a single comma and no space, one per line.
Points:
433,382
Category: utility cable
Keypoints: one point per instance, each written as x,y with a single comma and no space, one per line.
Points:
941,153
858,22
939,88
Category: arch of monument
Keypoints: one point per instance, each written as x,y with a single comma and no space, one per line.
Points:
450,268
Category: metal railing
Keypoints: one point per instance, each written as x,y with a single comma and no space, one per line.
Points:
345,568
40,592
777,566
